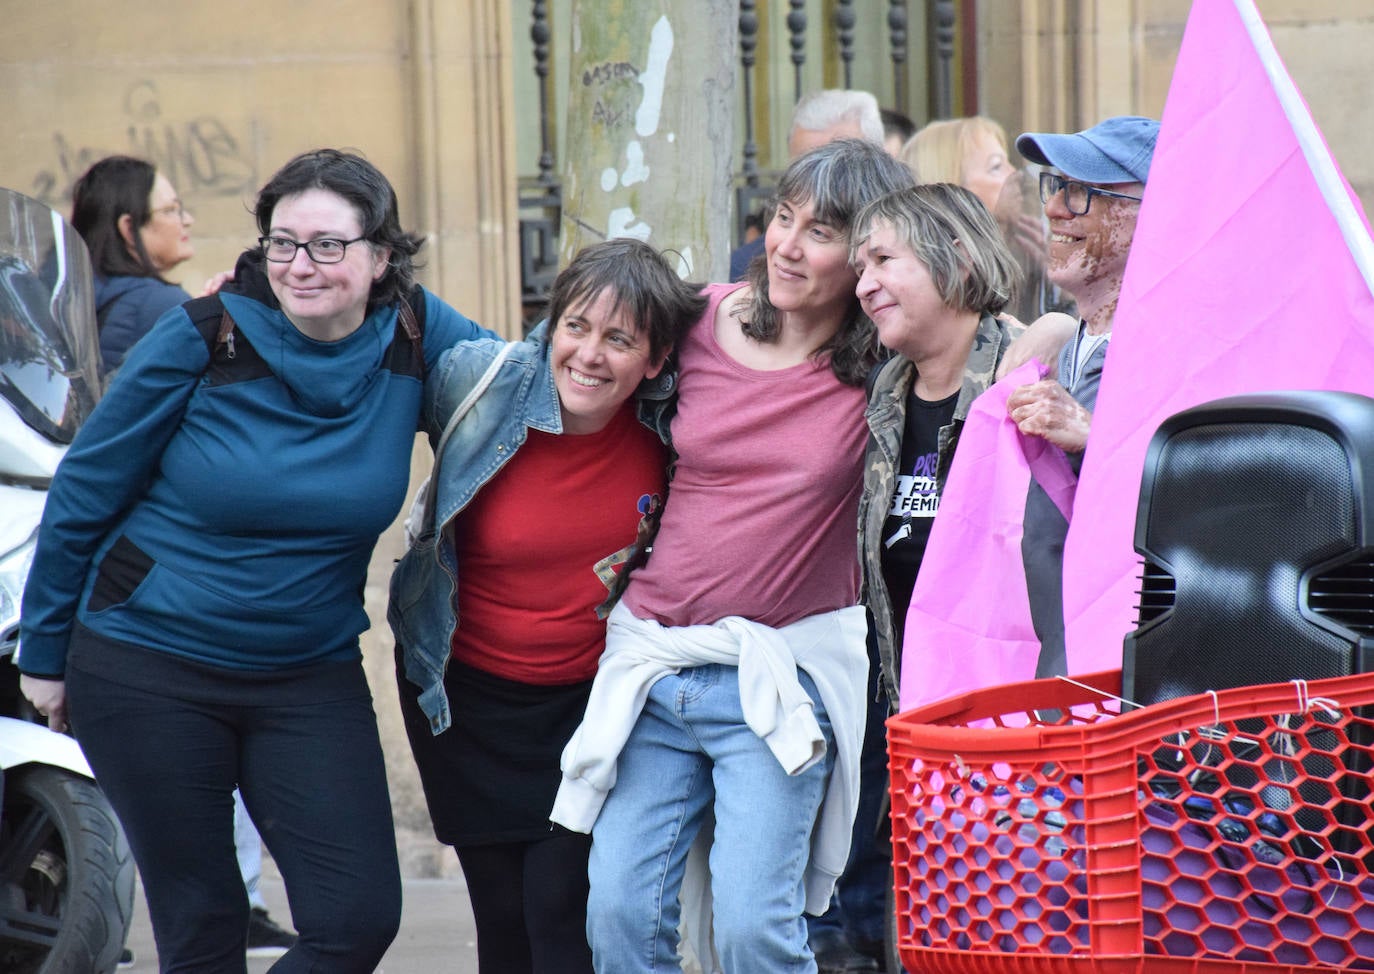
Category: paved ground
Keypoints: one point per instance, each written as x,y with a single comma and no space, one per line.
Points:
436,930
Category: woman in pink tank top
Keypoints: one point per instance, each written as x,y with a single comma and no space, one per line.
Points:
728,710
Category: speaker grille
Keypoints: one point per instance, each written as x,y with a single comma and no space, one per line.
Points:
1345,595
1158,589
1238,514
1242,520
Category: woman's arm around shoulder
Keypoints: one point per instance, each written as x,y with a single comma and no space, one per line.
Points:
1042,339
445,327
457,372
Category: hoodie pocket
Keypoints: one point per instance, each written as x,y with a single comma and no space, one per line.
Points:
122,570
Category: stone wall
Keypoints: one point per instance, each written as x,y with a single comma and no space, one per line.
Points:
220,95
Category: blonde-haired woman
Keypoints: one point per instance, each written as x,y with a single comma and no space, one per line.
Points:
972,152
969,152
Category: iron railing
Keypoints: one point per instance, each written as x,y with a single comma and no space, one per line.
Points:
541,193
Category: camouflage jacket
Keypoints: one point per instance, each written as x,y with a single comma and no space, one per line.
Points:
889,389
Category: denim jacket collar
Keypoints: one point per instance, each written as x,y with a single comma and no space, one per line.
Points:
522,396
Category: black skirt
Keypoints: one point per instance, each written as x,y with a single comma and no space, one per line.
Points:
492,775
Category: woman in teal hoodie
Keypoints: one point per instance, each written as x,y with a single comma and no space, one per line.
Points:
197,593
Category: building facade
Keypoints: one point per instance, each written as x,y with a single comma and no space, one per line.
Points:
463,104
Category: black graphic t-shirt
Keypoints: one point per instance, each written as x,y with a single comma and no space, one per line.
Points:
914,501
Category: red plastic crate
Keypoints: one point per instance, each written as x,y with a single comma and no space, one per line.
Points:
1037,829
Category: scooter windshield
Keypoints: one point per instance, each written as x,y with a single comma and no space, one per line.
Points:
49,359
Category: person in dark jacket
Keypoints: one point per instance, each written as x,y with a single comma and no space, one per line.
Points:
136,230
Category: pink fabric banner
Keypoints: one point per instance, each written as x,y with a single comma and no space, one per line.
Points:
1250,271
969,622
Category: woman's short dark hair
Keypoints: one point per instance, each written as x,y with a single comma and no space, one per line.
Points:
109,189
837,179
350,176
641,282
950,231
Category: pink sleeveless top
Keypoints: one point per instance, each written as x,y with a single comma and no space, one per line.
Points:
761,519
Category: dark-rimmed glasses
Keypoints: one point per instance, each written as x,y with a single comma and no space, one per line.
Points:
325,250
1078,196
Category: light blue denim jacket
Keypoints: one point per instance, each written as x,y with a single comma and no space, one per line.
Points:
522,396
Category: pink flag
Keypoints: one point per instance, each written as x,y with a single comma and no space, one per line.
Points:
1251,269
969,623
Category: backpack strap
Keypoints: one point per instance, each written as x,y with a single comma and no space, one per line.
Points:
232,357
208,314
225,335
413,313
406,356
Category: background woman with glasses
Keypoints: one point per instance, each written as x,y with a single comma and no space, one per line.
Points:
136,230
197,592
972,152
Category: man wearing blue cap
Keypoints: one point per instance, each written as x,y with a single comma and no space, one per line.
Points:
1092,189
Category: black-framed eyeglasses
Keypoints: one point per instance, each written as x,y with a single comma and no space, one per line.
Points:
325,250
1078,196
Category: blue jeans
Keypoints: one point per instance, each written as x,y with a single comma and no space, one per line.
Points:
691,753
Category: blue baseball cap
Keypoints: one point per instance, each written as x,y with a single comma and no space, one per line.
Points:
1117,150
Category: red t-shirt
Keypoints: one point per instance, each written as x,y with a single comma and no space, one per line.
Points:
539,545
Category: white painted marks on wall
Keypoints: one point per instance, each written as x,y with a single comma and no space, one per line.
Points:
654,77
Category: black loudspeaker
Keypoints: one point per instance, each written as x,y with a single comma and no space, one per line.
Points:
1256,526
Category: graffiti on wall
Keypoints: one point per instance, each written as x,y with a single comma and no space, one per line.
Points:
612,102
200,154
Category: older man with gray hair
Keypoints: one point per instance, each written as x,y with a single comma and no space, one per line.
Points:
834,113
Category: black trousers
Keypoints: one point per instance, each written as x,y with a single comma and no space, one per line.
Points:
490,780
301,745
529,900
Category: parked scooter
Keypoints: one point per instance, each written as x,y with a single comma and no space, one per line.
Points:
66,873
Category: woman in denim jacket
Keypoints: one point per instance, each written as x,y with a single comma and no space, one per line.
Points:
548,490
